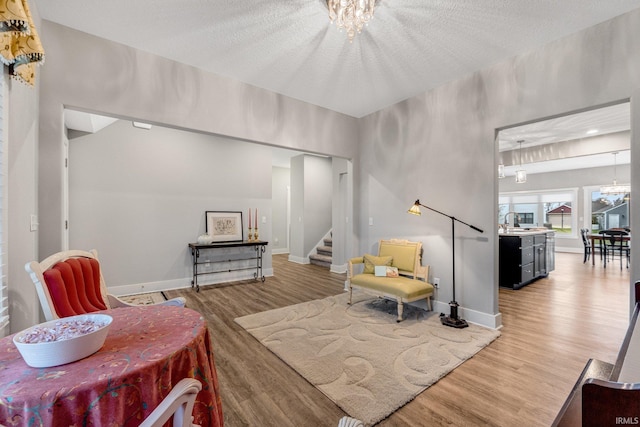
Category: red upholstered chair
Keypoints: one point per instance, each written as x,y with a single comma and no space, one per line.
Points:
71,283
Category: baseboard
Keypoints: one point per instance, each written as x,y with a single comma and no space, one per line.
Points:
493,321
166,285
141,288
335,268
279,251
299,260
570,250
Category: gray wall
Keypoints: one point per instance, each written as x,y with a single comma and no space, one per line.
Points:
311,203
296,242
281,182
342,214
148,190
440,147
318,186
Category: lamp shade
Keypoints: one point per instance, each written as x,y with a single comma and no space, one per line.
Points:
20,47
415,209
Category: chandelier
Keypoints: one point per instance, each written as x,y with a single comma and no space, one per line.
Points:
615,188
351,15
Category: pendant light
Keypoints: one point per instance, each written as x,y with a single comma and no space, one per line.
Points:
521,174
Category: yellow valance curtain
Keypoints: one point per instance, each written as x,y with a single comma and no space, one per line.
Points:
20,47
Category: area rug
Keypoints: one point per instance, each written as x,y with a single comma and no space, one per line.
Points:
358,356
144,299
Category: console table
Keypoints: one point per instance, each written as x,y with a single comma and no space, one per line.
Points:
228,264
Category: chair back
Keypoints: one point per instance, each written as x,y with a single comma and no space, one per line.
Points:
69,283
178,403
614,235
585,239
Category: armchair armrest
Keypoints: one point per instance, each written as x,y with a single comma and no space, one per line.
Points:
356,260
422,272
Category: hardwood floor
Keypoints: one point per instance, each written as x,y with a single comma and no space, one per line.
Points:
551,328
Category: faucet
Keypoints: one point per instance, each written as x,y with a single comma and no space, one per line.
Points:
506,218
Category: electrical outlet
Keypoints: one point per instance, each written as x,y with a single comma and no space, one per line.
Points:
436,281
33,223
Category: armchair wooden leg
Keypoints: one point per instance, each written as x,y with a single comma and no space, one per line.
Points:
429,304
400,310
350,293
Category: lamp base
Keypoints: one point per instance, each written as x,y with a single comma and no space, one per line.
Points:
453,320
454,323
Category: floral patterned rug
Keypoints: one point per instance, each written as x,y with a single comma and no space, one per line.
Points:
358,356
144,299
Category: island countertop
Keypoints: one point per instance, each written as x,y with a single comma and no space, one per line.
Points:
524,231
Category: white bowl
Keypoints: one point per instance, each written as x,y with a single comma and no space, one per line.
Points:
54,353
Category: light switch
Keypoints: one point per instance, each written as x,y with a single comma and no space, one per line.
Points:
370,220
264,219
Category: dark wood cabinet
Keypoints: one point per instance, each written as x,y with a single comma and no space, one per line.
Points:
524,258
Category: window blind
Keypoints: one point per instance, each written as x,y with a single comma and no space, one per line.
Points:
4,300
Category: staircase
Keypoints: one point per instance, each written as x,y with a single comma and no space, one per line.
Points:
323,255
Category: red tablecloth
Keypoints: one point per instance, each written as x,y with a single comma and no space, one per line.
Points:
147,350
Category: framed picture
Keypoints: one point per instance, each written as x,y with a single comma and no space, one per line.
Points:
224,226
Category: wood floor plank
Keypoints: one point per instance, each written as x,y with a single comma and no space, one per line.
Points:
551,328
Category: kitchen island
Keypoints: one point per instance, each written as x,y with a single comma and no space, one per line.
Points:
525,255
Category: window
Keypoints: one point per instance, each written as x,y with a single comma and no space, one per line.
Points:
551,209
526,218
606,211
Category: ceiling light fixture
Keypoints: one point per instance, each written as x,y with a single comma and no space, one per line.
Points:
615,188
521,174
351,15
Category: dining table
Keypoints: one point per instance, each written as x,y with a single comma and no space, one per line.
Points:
148,350
598,237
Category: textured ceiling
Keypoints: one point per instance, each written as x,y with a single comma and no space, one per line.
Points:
290,47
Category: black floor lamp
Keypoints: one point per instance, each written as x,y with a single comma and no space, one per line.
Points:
452,320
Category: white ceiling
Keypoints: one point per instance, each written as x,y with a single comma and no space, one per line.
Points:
583,125
289,47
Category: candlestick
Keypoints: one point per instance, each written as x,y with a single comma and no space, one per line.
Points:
256,217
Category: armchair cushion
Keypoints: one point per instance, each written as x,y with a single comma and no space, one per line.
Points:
371,261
